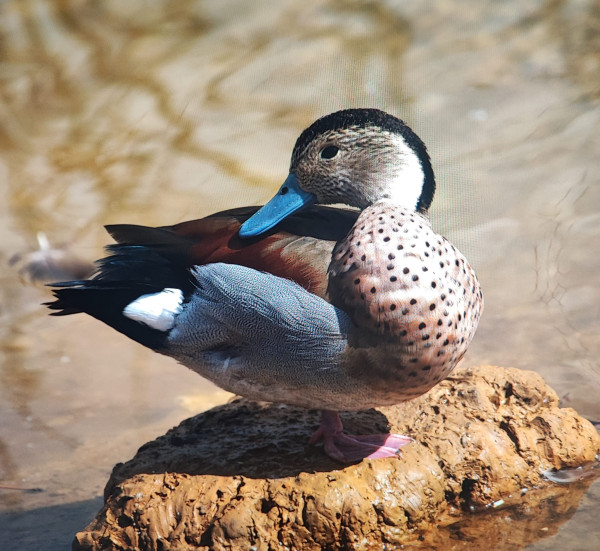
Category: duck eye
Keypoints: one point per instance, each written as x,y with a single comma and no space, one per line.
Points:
329,152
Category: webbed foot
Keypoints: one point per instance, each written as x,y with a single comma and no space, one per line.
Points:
348,448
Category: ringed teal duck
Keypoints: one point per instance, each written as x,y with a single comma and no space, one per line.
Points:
320,307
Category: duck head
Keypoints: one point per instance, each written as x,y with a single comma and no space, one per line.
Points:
356,157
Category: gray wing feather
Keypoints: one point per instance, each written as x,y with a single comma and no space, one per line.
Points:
239,308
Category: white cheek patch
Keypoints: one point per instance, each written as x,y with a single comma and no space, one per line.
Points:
407,186
157,310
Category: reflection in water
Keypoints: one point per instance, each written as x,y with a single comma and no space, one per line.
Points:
156,112
518,523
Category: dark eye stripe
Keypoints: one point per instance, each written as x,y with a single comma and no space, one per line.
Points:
329,152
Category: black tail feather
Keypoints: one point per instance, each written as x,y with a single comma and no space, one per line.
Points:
106,303
128,272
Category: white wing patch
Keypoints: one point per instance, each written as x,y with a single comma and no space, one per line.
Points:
156,310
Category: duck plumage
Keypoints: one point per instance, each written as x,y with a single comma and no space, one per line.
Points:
295,302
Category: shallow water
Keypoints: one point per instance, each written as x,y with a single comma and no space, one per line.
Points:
157,112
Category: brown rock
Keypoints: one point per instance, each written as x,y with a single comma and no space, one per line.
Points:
241,476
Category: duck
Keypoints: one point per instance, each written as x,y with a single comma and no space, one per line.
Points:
303,301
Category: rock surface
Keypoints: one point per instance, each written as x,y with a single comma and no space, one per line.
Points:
241,476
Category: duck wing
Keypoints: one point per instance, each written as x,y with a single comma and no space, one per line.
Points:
146,260
298,249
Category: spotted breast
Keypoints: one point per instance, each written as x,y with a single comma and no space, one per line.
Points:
407,289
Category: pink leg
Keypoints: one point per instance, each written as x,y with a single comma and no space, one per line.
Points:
348,448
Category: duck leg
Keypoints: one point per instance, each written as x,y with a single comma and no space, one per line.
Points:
348,448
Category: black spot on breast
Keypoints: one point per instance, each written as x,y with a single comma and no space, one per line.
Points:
422,325
393,278
413,301
405,271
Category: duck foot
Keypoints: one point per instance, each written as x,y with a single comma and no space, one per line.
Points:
348,448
